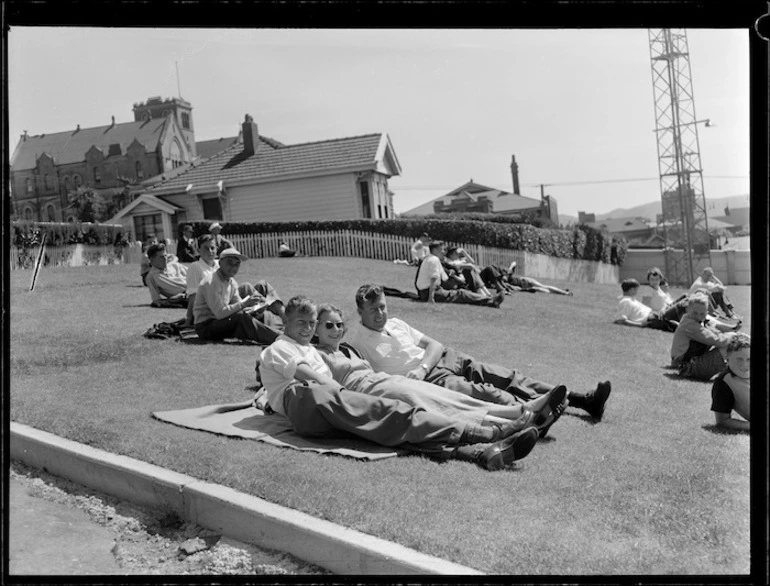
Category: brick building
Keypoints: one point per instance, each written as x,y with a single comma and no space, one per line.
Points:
109,159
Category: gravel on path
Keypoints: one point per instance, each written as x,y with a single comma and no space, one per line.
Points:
157,542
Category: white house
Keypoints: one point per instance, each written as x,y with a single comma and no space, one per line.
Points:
260,179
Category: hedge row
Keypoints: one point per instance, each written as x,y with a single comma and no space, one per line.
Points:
29,233
581,242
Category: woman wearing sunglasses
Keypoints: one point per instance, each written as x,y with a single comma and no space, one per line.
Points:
350,370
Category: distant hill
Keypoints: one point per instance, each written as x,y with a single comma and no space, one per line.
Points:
714,207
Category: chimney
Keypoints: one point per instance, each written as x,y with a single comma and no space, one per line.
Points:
250,136
515,175
24,136
113,122
77,129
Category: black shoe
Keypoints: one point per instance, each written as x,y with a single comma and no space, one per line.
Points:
596,402
510,427
507,451
547,416
498,299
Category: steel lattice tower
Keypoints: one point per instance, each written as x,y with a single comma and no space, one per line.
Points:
684,219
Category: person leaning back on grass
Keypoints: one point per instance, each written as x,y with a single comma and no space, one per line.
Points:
632,312
731,390
221,312
354,373
393,346
698,347
167,279
299,385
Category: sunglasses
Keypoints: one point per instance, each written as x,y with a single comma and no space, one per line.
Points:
329,325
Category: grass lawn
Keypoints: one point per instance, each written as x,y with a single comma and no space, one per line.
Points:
652,489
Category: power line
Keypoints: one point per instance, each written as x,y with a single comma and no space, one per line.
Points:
565,183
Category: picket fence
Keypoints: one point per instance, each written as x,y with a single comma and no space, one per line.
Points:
343,243
66,255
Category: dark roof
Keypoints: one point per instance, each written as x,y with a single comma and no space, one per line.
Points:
620,225
71,146
233,164
209,148
206,149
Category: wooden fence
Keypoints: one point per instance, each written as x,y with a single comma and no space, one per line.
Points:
343,243
66,255
354,243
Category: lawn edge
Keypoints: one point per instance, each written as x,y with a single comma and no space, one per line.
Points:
232,513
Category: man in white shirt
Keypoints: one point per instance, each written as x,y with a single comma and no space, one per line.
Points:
221,312
430,276
393,346
166,279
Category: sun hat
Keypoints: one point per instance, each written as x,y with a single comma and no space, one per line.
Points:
232,252
214,226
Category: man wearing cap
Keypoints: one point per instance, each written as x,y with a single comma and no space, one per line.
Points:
221,312
220,241
167,279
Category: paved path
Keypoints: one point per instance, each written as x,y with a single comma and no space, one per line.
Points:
55,539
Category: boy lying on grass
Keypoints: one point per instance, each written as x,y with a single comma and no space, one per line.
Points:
166,279
298,385
632,312
731,390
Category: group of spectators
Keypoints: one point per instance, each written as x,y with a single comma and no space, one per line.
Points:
451,275
390,383
704,346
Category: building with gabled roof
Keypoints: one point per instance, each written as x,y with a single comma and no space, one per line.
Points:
45,168
475,197
260,179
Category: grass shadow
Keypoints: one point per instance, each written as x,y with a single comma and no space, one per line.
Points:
716,430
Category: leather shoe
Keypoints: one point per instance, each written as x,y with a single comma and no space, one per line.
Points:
510,427
507,451
547,416
596,401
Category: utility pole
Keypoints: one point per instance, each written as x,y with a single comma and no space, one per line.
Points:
687,247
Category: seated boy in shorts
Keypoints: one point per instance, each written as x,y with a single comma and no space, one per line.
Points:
731,391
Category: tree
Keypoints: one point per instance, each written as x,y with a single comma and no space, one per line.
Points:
89,206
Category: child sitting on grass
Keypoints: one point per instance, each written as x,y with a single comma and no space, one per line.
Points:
698,347
632,312
731,390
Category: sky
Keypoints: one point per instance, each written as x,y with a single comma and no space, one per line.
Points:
575,106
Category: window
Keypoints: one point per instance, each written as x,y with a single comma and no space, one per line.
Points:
148,224
176,158
97,175
50,212
67,185
185,121
366,208
29,185
212,209
48,181
28,213
71,219
139,170
78,180
379,211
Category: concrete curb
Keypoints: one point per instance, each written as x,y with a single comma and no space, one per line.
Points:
227,511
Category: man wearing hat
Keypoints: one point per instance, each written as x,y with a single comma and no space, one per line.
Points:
221,312
220,241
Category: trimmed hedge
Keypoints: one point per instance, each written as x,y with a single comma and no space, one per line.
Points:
581,243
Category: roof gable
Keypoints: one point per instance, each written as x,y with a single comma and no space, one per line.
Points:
71,146
357,153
